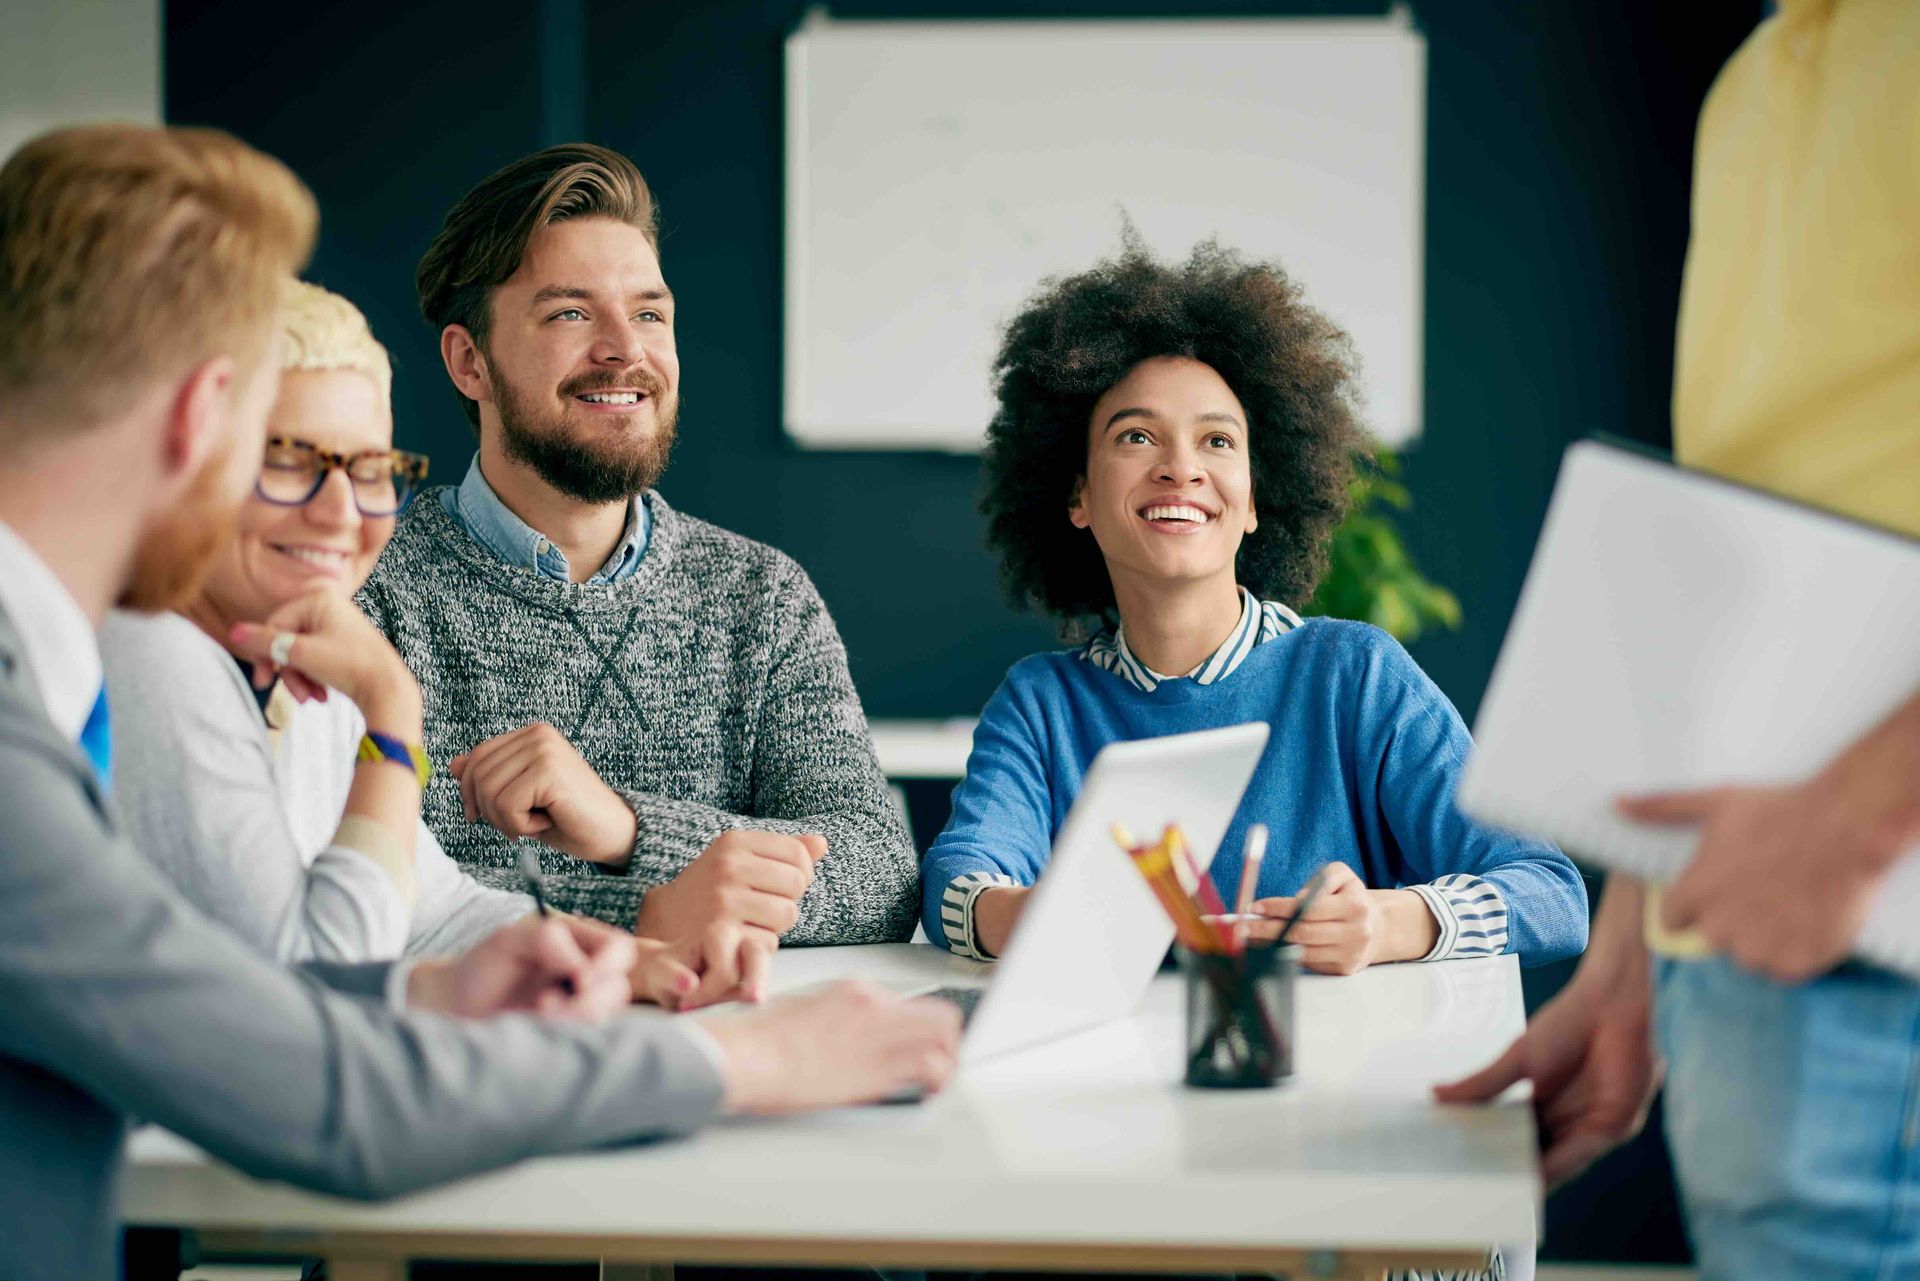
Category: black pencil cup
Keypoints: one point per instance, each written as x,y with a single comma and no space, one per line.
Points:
1240,1017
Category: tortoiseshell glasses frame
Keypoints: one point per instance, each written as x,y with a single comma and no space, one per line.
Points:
383,480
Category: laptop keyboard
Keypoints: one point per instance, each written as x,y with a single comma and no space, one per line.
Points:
966,1000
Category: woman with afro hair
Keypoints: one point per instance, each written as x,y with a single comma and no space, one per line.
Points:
1172,449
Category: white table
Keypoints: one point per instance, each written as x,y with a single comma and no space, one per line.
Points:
1083,1154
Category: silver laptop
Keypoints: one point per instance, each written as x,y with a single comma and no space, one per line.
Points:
1092,934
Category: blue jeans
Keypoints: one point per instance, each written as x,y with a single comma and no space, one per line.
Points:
1793,1114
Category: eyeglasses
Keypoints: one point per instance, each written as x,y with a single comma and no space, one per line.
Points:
382,479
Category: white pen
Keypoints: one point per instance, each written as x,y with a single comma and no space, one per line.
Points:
1256,850
1250,856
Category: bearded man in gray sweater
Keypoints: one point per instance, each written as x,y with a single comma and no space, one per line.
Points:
663,705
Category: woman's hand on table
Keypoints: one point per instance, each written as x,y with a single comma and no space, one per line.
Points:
728,908
1349,926
731,961
663,973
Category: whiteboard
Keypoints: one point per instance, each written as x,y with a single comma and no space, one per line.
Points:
937,171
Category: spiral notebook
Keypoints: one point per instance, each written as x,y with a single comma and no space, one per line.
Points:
1678,630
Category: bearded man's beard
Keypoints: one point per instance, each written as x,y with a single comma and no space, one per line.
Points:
608,470
179,550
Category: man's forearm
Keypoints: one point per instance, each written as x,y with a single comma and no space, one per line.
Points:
613,899
867,888
1875,785
670,833
1617,949
863,891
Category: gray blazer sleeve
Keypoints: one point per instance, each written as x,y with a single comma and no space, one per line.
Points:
111,981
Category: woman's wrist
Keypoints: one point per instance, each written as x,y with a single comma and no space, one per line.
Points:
392,706
1410,930
395,720
995,913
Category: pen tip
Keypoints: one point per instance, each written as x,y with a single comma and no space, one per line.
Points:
1256,842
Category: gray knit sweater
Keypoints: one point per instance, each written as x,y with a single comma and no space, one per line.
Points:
710,688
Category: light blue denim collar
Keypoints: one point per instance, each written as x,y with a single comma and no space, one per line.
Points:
478,510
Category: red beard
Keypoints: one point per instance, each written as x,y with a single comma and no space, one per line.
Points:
178,550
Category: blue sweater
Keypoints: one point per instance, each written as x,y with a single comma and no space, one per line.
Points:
1361,768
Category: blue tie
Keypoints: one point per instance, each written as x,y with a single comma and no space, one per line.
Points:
96,738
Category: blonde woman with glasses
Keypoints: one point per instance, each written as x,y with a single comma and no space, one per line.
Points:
286,809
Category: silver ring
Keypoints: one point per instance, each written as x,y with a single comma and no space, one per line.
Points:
281,651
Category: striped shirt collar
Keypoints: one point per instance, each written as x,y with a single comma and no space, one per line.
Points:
1260,621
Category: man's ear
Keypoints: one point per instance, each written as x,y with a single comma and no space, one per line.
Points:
1253,519
466,363
200,417
1077,505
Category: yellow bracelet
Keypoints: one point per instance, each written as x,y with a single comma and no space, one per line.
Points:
375,746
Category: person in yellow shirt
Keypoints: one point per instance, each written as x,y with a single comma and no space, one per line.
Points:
1793,1074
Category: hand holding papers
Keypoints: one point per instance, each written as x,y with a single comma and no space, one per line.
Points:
1679,631
1752,890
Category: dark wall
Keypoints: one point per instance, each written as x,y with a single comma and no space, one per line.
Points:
1558,153
1559,148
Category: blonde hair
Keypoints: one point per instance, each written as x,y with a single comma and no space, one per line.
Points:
321,330
130,254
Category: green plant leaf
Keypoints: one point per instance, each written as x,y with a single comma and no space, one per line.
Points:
1392,612
1370,575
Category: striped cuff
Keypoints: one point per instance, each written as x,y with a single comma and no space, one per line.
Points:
956,911
1471,914
1496,1270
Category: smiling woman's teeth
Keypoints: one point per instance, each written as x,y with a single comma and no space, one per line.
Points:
1192,515
612,397
314,556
